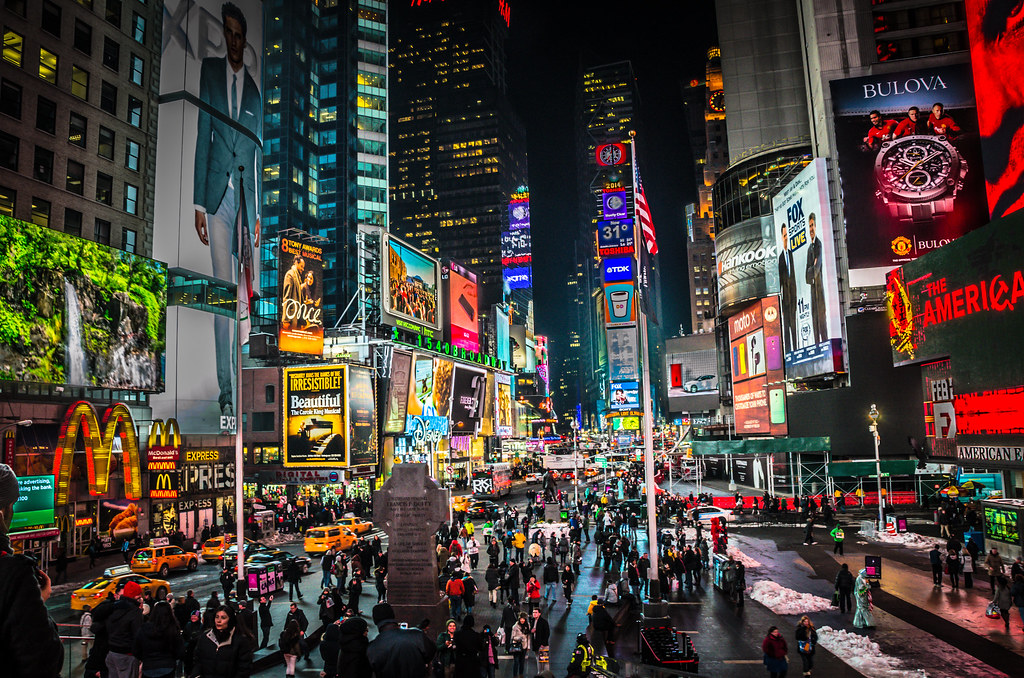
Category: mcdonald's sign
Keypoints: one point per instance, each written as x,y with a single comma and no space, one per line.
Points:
116,433
163,485
164,435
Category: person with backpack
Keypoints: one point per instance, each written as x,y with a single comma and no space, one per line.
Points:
455,589
838,535
290,643
806,642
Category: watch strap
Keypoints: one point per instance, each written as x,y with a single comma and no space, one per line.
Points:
921,211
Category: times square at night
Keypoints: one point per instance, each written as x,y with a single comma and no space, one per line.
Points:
468,278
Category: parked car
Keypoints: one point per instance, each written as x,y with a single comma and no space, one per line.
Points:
96,591
163,559
707,382
705,513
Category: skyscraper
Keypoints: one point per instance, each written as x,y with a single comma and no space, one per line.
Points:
458,148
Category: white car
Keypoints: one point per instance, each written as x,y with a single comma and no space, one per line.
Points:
708,382
705,513
534,477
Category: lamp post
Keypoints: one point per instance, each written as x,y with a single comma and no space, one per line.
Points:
873,415
575,466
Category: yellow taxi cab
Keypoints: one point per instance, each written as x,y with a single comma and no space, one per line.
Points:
96,591
319,539
591,471
163,559
213,549
460,504
356,525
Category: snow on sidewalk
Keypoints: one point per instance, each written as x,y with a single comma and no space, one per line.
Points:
910,539
864,655
748,562
781,600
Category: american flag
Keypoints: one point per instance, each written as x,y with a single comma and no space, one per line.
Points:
643,212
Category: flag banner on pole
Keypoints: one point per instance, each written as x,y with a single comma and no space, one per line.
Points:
644,285
643,212
245,272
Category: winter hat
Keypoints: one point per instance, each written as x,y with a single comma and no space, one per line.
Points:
382,612
354,626
8,485
131,590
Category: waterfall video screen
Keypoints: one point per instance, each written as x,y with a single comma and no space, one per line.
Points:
79,313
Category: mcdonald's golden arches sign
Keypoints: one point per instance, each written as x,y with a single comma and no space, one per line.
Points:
116,433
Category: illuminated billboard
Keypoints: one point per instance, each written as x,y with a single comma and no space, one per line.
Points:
431,391
910,165
33,509
615,237
518,215
620,304
469,391
463,310
410,292
758,376
811,314
362,417
503,405
617,269
747,257
518,278
301,294
693,379
623,354
78,313
613,204
398,392
995,32
502,340
314,416
516,248
625,395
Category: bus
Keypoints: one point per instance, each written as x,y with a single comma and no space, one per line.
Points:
494,480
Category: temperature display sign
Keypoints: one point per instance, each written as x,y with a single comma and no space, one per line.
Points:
615,237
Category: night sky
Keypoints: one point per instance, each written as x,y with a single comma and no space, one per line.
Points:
549,45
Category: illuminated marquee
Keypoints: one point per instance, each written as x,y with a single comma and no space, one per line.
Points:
164,434
118,430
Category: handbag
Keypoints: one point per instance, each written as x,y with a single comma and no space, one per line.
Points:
805,646
835,599
516,647
992,611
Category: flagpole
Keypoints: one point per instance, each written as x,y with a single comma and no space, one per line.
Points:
654,608
240,585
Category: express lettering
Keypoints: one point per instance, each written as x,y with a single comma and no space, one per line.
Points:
910,86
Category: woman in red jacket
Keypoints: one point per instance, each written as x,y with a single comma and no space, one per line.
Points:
533,593
775,650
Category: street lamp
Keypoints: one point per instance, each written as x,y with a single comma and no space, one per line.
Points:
575,467
873,415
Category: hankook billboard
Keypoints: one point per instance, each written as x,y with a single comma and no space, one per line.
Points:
747,257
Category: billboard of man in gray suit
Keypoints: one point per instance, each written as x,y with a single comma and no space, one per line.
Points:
228,161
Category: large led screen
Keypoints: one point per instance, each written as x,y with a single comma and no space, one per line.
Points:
469,391
503,405
910,165
625,395
33,509
314,416
747,257
411,287
623,354
995,33
811,315
502,339
693,380
362,417
78,313
431,391
463,309
398,392
758,376
301,295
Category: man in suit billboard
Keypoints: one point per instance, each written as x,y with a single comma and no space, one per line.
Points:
227,167
787,285
813,278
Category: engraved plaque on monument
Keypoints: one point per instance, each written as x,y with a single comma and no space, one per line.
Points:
410,507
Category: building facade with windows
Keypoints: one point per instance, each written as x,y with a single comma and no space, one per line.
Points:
78,89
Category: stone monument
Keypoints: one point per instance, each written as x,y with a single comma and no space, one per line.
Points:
410,507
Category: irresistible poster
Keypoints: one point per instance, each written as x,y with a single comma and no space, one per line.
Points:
469,388
811,315
314,416
463,308
362,421
503,405
411,294
398,392
758,374
910,164
301,294
995,32
623,362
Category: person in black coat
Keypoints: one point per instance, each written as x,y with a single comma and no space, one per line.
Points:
355,589
293,575
300,617
330,606
224,651
468,644
352,644
158,644
266,619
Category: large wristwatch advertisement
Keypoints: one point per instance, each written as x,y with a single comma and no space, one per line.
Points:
919,176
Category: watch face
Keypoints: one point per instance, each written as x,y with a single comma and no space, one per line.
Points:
611,154
716,101
916,168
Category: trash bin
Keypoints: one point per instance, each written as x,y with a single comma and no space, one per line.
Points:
718,566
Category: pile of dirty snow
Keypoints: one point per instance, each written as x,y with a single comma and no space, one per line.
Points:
909,539
781,600
748,562
864,655
281,538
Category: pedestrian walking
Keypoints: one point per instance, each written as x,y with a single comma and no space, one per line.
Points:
844,588
454,589
776,652
994,565
293,575
838,535
806,642
446,649
809,531
225,650
158,644
290,642
953,568
935,558
1003,599
490,654
863,619
520,645
122,625
967,568
1017,593
568,584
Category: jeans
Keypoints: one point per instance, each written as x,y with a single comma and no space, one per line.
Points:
221,229
289,664
550,591
293,588
487,670
518,663
325,580
1020,611
845,600
808,661
456,607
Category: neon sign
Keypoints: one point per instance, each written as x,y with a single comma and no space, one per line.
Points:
506,12
118,436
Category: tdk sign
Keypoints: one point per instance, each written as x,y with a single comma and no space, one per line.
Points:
618,269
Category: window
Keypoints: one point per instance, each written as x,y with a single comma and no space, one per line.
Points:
46,115
83,37
51,19
108,97
128,240
80,83
139,28
16,6
47,65
131,199
10,99
42,169
13,46
111,54
137,68
9,151
132,151
134,112
77,128
85,3
40,212
76,178
262,421
101,231
113,14
106,146
72,221
104,189
8,196
269,393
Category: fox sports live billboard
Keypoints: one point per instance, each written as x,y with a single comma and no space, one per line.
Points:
78,313
912,179
411,288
